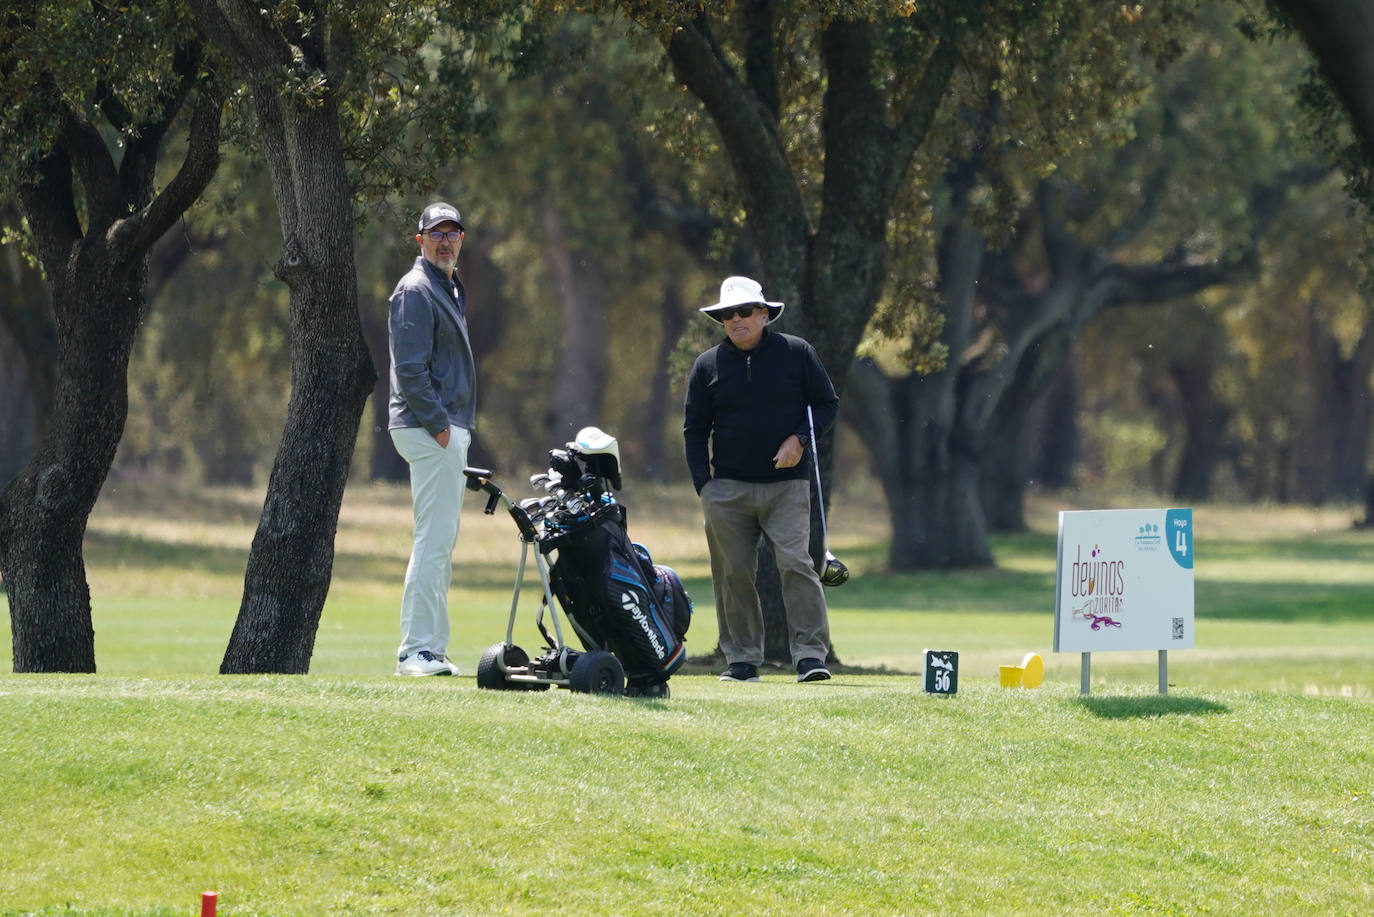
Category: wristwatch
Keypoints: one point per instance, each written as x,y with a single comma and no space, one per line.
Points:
803,439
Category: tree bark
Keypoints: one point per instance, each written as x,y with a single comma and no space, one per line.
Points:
386,462
1053,431
1339,32
1005,462
579,377
30,359
46,507
18,417
1332,448
671,322
99,280
291,561
1204,427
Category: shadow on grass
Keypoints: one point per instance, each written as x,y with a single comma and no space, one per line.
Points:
1011,588
986,590
1125,708
137,553
1284,601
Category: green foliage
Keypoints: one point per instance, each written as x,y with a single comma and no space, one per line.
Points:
1040,85
570,168
1227,121
1326,120
112,64
210,372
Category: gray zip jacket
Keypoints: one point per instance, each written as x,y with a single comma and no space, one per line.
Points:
433,375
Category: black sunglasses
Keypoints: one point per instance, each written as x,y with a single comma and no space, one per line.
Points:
453,235
741,311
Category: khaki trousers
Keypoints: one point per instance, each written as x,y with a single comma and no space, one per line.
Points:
737,513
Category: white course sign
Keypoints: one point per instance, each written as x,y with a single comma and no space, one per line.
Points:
1125,581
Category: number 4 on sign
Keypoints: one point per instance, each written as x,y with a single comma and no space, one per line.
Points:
1181,542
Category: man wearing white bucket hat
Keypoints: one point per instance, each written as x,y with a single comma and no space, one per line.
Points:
746,430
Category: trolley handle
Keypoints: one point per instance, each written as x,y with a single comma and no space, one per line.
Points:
479,479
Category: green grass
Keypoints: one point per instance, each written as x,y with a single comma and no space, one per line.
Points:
1243,791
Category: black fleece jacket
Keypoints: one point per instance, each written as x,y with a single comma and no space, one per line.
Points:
746,402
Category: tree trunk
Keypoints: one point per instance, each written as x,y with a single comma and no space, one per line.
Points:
671,323
930,480
99,284
1004,472
28,359
579,379
1053,435
18,421
937,522
45,510
1005,461
292,557
386,462
1340,32
1204,428
1342,409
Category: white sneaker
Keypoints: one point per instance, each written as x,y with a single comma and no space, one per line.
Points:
452,666
423,663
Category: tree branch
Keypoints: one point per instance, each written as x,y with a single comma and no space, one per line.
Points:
145,139
749,133
90,159
139,232
760,68
920,112
49,204
1145,284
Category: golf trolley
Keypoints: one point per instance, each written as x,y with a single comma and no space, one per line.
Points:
629,614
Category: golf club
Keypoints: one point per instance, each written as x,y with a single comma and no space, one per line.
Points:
835,573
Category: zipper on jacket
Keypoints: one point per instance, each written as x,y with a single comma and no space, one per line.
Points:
748,367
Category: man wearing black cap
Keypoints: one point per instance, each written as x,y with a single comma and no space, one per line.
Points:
432,409
746,430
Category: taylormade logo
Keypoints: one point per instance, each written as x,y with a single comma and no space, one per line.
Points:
630,602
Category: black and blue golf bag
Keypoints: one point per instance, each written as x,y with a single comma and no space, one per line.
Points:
616,597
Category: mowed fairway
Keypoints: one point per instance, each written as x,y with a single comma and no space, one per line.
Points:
1245,790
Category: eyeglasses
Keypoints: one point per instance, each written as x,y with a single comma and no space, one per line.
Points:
453,235
741,311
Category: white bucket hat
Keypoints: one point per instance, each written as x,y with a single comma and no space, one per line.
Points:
741,291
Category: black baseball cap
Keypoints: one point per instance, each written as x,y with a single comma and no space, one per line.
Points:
439,212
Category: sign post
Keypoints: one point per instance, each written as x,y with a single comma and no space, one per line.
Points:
1124,582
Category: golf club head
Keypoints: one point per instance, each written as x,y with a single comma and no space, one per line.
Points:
835,572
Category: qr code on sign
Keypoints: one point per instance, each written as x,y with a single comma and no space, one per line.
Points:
1178,628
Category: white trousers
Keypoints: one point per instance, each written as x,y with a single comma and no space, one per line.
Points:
436,493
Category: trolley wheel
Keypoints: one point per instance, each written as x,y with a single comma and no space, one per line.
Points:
489,674
597,672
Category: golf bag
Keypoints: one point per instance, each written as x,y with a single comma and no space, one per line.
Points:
616,597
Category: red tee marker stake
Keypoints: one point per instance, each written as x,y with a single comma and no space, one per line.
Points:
208,902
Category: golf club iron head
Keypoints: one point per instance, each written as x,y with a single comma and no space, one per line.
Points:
835,573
